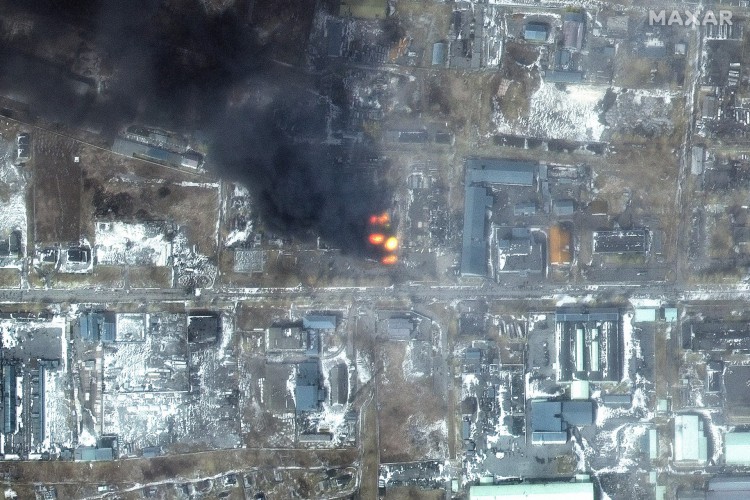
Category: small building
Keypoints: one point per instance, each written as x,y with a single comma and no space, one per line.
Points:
563,76
204,328
536,32
623,400
573,30
334,37
439,51
524,208
191,159
319,322
670,314
728,488
580,390
400,329
644,315
737,448
583,490
690,441
97,326
93,454
563,207
518,252
284,339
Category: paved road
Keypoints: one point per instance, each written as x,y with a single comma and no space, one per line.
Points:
417,293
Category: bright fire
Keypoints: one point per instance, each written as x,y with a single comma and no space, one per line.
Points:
389,260
376,238
380,220
391,244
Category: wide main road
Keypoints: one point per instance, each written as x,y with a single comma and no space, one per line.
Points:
417,292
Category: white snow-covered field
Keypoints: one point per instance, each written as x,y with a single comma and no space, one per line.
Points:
124,243
12,210
570,114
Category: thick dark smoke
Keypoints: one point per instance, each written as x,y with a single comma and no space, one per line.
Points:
172,64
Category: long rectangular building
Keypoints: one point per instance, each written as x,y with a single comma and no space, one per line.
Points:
474,252
533,491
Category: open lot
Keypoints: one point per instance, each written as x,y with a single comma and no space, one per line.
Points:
405,433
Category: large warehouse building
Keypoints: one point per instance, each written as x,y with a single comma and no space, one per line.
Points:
534,491
588,345
481,173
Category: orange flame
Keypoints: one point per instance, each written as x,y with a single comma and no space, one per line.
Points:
380,220
389,260
376,238
391,244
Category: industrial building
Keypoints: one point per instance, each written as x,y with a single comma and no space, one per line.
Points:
588,345
728,488
308,390
482,172
155,154
97,326
631,241
518,251
690,441
439,53
204,327
737,448
535,32
319,322
400,329
474,250
579,490
550,420
573,30
9,399
93,454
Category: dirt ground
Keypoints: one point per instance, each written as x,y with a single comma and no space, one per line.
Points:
401,437
80,479
56,189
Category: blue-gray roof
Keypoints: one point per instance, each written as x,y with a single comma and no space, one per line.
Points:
306,397
335,37
535,32
438,54
578,412
9,399
546,416
563,207
474,252
319,322
563,76
524,208
90,453
500,171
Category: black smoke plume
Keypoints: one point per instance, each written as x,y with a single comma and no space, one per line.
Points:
175,65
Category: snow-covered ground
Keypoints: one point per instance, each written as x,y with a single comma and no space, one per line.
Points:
13,209
125,243
570,114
